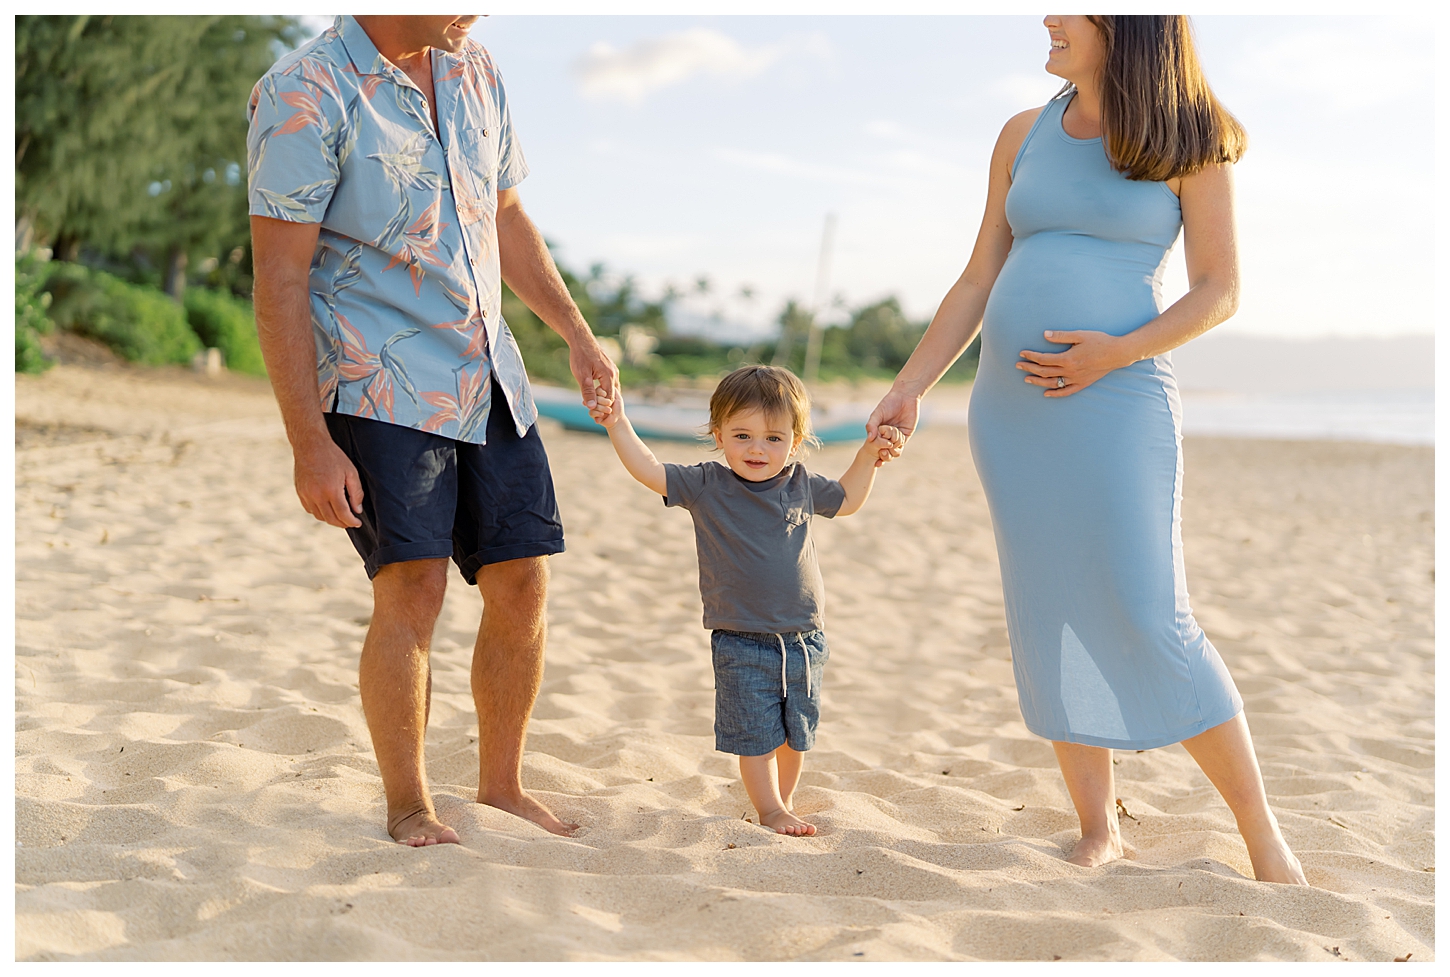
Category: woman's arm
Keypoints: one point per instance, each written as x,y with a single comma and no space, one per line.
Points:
1210,249
638,460
960,315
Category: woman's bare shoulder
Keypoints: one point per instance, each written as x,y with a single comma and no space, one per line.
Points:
1015,131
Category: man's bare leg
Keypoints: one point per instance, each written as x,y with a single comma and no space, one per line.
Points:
394,682
508,665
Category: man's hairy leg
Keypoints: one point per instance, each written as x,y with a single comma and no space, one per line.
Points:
508,665
394,682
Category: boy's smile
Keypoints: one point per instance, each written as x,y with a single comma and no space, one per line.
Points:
756,447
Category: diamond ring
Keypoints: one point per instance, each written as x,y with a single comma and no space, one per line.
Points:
1061,382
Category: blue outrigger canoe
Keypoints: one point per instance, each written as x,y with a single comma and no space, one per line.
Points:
674,422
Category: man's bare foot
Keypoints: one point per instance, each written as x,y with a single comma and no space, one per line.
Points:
1273,861
422,828
1094,850
521,805
786,823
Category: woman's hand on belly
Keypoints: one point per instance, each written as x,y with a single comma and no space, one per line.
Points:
1093,356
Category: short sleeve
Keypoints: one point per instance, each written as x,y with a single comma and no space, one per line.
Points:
512,167
291,165
684,483
827,495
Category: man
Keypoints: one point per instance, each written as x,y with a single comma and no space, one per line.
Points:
381,171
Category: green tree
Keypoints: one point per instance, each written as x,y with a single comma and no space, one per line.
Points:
130,133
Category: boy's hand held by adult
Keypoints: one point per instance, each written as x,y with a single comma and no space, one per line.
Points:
596,374
327,484
898,412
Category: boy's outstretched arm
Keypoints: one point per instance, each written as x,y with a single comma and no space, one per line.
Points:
638,460
862,474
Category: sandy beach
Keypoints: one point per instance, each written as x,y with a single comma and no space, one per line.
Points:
194,778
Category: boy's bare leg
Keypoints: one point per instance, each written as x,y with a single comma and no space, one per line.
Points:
788,767
394,684
762,783
508,665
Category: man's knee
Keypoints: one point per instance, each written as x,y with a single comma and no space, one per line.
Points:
520,582
413,589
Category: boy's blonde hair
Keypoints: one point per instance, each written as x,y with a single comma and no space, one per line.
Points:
775,391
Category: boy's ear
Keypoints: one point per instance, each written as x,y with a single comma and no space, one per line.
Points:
796,445
719,441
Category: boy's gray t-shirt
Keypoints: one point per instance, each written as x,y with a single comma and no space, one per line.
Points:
758,567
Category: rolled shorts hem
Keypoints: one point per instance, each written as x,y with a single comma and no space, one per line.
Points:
502,554
739,748
433,549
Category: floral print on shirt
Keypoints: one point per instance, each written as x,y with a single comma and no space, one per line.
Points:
405,284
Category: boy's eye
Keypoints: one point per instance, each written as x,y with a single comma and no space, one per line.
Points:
773,437
742,437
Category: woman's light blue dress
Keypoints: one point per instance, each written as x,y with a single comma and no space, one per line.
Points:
1085,490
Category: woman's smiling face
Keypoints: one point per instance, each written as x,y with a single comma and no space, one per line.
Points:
756,447
1077,50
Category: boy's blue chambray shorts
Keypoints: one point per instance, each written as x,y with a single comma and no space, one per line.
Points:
757,708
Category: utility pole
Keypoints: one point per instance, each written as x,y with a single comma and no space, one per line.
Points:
818,307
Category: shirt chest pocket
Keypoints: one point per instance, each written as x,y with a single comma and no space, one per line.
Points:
477,156
797,511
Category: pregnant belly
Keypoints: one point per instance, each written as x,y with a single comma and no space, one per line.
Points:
1065,284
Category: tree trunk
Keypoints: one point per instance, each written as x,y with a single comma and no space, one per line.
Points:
176,274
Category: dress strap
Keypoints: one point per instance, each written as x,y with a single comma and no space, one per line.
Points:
1052,104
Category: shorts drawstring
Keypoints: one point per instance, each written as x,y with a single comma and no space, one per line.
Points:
805,653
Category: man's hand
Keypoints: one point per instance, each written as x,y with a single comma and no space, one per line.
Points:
328,484
596,374
899,411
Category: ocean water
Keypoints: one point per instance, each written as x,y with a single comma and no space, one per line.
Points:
1385,416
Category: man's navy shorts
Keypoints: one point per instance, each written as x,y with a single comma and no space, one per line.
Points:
426,496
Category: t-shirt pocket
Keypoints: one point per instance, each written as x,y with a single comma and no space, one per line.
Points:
797,510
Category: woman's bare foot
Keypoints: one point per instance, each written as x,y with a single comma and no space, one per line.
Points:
521,805
1098,849
786,823
1272,859
422,828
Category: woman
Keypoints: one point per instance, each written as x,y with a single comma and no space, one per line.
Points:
1074,420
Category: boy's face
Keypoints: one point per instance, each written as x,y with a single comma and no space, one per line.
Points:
755,446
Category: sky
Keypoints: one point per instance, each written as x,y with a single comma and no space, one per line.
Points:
687,147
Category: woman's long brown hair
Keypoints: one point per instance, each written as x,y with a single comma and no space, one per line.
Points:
1160,119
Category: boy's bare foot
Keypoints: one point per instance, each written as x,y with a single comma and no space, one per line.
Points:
521,805
786,823
422,828
1094,850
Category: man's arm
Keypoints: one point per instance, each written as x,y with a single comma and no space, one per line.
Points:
326,481
529,270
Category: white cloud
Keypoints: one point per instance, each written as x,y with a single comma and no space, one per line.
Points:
1348,67
659,62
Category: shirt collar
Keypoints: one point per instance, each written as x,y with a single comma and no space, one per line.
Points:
361,49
